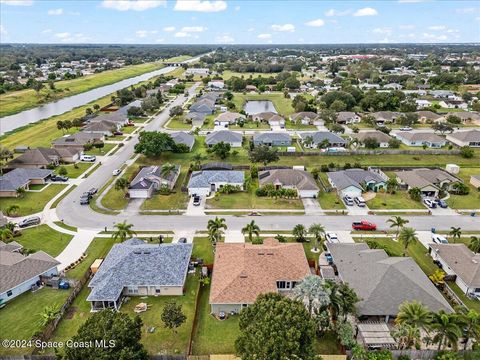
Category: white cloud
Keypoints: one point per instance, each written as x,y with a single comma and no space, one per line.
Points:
145,33
190,29
200,5
67,37
62,35
224,39
169,28
315,23
368,11
55,12
412,1
265,36
46,31
437,27
477,18
182,34
283,28
136,5
3,31
434,37
470,10
407,27
17,2
251,29
383,31
237,8
161,40
333,12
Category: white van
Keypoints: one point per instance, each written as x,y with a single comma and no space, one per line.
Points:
360,201
88,158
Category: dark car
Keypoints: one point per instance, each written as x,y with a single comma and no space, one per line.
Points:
182,240
30,221
196,200
92,191
441,203
117,133
59,178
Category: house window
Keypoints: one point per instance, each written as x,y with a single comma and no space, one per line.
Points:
157,291
281,285
477,290
244,306
9,293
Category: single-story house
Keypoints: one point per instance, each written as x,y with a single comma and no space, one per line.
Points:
123,111
422,104
414,138
426,116
453,104
475,181
300,180
465,138
383,117
118,117
77,140
150,179
182,137
134,268
226,136
228,118
196,118
320,138
39,158
305,117
270,117
206,181
216,84
459,260
384,283
12,246
272,139
348,117
393,86
251,88
22,273
468,116
22,178
244,271
353,182
441,94
205,106
101,128
380,136
429,181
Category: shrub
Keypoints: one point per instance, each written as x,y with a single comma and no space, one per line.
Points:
467,152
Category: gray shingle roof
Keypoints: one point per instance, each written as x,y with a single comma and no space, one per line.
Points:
135,263
19,177
148,175
182,137
80,138
353,177
223,135
203,179
39,156
469,135
269,137
420,136
319,136
382,282
424,177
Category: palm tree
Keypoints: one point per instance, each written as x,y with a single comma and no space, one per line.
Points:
121,184
318,231
313,293
398,222
197,160
392,185
438,278
415,193
12,210
5,154
455,233
251,229
308,141
414,314
281,238
347,300
407,336
474,244
20,191
6,234
471,326
407,237
167,169
447,329
215,228
354,143
48,314
299,232
123,231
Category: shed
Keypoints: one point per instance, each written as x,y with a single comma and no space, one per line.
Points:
96,264
452,168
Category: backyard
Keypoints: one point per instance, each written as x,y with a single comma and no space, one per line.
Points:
44,238
203,249
31,202
282,104
470,201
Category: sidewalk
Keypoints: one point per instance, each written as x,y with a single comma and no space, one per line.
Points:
75,249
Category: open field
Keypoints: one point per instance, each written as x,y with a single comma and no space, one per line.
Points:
44,238
282,104
32,202
18,101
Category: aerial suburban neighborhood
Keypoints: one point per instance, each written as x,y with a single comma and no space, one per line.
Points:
225,180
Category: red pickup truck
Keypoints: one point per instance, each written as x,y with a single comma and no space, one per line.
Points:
363,225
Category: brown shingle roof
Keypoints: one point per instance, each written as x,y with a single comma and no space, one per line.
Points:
244,271
299,179
374,134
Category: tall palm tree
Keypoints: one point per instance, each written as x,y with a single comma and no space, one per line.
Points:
215,229
251,229
407,336
123,231
318,231
447,328
335,301
398,222
392,185
414,314
474,244
6,234
455,232
121,184
5,154
167,169
407,237
313,293
347,300
299,232
471,326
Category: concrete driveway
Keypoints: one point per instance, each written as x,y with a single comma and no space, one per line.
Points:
196,210
357,210
312,207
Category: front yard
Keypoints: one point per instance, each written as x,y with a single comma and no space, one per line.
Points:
75,170
330,201
178,123
43,238
399,200
101,151
173,201
31,202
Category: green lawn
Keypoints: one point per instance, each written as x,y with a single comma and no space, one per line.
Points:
282,104
75,170
203,249
20,318
129,129
16,101
44,238
177,123
32,202
470,201
101,151
213,336
470,303
399,200
330,201
250,125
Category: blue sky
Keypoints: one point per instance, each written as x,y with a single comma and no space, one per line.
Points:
238,22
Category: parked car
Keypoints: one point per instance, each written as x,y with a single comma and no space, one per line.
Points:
196,200
406,128
439,239
58,178
331,237
430,203
84,199
116,172
93,191
348,200
88,158
117,133
182,240
441,203
87,194
360,201
329,257
30,221
364,225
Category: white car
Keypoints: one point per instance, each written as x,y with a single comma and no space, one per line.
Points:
116,172
439,239
406,128
430,203
331,237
